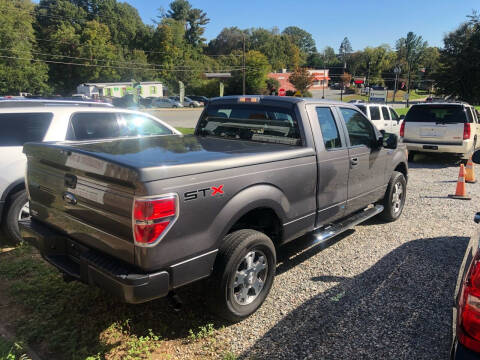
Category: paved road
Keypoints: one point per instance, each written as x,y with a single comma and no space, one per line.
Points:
185,118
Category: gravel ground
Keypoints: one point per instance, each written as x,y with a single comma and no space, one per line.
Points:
381,291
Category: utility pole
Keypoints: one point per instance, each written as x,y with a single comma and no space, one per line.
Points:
243,67
397,71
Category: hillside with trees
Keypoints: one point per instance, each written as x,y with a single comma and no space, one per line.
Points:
51,46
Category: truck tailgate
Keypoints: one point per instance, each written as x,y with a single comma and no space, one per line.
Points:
87,198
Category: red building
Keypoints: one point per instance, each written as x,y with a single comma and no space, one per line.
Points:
320,82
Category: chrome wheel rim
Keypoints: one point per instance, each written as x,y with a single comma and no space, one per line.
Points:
24,212
397,197
250,277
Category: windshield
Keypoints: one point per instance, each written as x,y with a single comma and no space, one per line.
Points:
447,114
250,122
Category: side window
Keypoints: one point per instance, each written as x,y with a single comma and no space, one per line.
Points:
331,136
471,117
394,115
138,125
386,114
360,130
19,128
374,113
91,126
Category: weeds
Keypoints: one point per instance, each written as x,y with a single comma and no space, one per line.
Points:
202,333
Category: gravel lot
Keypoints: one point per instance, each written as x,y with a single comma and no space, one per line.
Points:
380,291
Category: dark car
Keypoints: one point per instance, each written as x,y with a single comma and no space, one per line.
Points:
200,99
466,312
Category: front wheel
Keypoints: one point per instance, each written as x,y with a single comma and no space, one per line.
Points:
243,274
395,196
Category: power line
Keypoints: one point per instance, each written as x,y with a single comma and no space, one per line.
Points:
109,66
155,66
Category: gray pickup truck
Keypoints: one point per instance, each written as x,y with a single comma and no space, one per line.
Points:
142,217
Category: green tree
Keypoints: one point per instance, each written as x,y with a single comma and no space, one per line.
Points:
345,50
228,40
257,69
410,51
301,79
329,57
193,19
95,43
18,72
302,39
458,74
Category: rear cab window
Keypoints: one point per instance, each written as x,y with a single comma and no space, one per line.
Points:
93,126
375,113
251,122
329,129
441,114
20,128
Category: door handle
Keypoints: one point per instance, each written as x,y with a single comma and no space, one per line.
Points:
353,162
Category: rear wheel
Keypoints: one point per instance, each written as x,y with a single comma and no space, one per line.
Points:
395,196
17,210
243,274
192,105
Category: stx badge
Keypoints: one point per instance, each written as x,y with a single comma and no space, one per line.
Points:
203,193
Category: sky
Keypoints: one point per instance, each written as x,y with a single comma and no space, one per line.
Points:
364,22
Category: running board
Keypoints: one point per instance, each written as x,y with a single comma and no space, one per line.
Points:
335,229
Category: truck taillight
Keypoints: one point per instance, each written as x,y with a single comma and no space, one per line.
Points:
466,131
468,321
402,129
152,217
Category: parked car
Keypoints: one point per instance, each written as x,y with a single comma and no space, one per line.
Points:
383,116
187,102
356,101
434,99
203,100
52,120
442,128
143,217
466,310
165,103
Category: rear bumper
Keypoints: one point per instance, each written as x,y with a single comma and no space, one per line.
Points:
464,148
91,267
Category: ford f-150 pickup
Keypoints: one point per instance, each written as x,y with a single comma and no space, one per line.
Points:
142,217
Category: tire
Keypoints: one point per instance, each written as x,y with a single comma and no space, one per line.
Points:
411,156
10,221
393,207
229,302
191,105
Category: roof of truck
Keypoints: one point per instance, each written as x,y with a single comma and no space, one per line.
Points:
280,99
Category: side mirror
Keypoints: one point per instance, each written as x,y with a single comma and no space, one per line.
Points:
476,157
390,141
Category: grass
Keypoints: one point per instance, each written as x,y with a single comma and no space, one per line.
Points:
414,95
11,351
73,321
186,131
402,111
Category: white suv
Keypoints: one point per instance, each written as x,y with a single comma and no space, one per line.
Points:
24,121
384,117
441,127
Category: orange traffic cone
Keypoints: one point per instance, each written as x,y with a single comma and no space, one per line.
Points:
461,192
470,172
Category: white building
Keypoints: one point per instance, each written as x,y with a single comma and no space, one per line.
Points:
119,89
